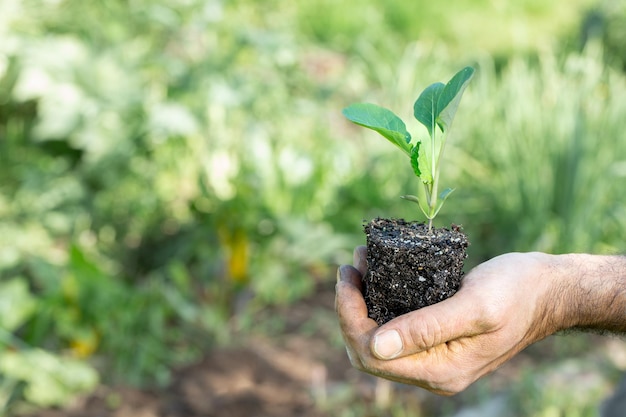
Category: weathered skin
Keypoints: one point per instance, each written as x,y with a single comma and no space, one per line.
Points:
504,305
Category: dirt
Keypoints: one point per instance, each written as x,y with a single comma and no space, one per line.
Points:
236,382
299,369
287,373
410,267
244,382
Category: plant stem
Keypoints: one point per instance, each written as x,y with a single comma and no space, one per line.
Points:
432,197
434,189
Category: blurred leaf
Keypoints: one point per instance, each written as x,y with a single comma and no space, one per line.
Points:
84,343
50,380
236,244
84,268
16,304
130,135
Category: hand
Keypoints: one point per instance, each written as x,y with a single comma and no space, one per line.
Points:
503,305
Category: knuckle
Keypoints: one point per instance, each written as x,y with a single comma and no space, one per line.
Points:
424,333
490,315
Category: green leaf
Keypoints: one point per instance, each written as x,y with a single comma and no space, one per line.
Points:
415,152
425,108
443,196
449,99
424,164
421,202
410,198
57,380
424,200
445,193
381,120
17,304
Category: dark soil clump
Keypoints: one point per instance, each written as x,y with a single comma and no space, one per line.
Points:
410,268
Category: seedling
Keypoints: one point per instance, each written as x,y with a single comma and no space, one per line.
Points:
435,109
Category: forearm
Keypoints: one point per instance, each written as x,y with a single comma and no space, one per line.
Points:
591,292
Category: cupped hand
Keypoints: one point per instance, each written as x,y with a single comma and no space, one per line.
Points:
503,305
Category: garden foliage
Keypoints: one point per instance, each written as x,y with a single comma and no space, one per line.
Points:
167,169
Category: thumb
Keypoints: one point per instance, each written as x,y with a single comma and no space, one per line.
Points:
453,318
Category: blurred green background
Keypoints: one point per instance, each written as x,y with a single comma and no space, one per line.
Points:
170,170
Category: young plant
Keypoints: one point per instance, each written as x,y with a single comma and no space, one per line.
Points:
434,108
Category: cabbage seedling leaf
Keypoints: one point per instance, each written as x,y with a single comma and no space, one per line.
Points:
415,152
425,108
450,97
381,120
442,199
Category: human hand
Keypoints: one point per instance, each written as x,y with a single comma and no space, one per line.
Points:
503,305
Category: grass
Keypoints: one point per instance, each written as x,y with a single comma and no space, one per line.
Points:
551,156
466,26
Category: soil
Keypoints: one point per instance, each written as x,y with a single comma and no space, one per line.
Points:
301,369
410,267
284,372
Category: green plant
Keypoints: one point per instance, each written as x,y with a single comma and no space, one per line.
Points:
435,109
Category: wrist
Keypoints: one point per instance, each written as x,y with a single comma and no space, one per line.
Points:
589,291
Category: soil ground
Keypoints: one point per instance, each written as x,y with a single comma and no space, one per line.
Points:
301,369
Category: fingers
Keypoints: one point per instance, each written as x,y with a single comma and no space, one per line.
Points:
356,326
360,259
411,333
417,339
444,347
351,275
451,319
349,301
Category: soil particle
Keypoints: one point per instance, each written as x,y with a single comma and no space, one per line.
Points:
410,267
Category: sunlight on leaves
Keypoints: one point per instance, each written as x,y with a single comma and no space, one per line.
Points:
50,379
16,304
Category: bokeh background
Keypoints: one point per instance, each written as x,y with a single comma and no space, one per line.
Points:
177,187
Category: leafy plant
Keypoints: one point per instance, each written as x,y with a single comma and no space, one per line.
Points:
435,109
